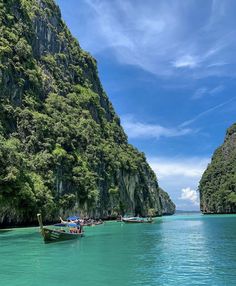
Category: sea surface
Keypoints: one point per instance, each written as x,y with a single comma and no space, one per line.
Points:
175,250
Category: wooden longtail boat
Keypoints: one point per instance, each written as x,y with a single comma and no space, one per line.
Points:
54,235
132,220
137,220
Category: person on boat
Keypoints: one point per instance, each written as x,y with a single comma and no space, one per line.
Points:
72,227
73,224
79,228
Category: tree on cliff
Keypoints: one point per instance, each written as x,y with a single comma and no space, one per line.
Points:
61,143
218,183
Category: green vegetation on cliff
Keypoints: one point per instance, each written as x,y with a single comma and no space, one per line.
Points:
167,206
61,144
218,183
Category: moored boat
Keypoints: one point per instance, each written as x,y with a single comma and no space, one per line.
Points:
54,235
134,219
137,220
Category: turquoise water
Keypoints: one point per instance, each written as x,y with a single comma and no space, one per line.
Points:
177,250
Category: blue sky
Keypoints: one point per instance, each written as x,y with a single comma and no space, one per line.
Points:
169,69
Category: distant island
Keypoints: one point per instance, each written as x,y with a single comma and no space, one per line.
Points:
218,184
62,148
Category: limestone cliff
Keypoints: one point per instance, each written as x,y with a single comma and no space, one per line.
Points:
167,206
62,149
218,184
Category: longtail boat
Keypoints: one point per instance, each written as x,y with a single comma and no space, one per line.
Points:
137,220
54,235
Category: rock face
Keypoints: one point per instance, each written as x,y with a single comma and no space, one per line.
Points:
218,184
62,148
167,206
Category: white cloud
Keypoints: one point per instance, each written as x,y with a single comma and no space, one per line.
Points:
175,173
216,90
166,38
187,194
204,91
200,92
182,167
186,61
209,110
136,129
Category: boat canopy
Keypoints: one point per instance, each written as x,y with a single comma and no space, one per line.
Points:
73,217
71,224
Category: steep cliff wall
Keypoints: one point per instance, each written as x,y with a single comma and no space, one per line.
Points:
218,183
62,148
167,206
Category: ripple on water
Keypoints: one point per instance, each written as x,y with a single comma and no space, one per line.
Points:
178,250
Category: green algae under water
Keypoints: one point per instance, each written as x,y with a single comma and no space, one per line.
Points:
177,250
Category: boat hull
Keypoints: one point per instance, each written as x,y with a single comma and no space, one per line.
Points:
137,220
52,235
132,221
